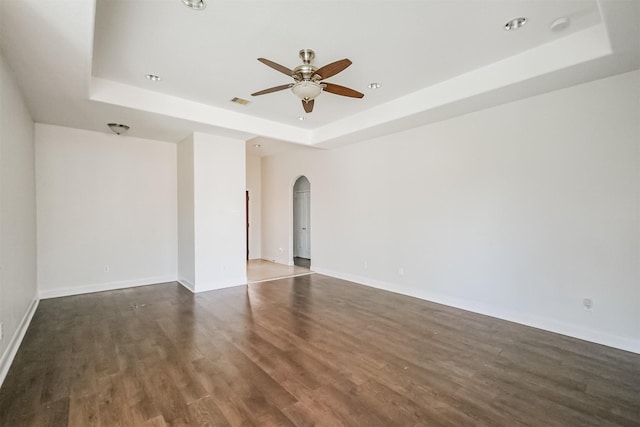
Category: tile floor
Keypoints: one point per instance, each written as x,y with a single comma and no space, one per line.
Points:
260,270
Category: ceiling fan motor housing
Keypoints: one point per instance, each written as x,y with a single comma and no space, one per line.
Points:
305,72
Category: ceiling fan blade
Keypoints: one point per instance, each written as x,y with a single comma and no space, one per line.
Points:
277,67
272,89
341,90
308,106
333,68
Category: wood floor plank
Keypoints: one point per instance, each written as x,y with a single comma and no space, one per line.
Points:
84,410
53,413
113,406
309,412
207,413
305,351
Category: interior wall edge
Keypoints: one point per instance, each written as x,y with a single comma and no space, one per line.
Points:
12,349
101,287
574,331
187,285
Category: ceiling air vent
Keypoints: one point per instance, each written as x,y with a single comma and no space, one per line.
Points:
239,101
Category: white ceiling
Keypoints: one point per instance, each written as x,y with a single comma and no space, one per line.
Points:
82,63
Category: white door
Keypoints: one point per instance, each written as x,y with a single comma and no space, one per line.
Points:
301,229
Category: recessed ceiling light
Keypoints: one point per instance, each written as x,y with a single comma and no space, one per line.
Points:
515,23
195,4
560,24
153,77
374,85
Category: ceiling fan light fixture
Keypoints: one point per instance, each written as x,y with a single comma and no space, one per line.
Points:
195,4
306,90
118,128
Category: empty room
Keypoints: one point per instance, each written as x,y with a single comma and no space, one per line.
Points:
319,213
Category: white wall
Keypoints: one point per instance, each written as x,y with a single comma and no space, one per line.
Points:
220,183
186,230
103,200
18,293
519,211
216,176
254,186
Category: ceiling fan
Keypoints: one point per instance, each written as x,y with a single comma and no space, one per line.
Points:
309,80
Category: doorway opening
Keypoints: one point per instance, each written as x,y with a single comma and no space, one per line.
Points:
302,222
247,220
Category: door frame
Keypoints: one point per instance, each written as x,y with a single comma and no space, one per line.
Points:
301,224
291,206
247,221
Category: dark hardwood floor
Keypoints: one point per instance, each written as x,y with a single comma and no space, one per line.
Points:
309,350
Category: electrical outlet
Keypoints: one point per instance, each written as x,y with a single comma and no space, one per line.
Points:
587,303
106,269
280,250
401,271
366,265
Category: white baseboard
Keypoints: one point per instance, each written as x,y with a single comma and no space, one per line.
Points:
10,353
187,284
212,286
278,259
100,287
551,325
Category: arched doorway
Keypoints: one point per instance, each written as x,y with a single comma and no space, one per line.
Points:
301,222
